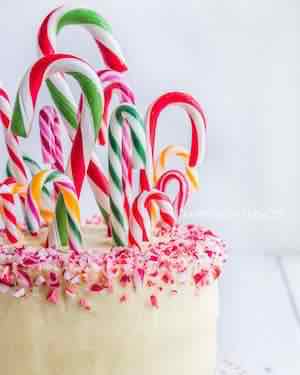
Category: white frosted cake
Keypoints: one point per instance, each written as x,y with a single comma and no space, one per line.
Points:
133,291
112,311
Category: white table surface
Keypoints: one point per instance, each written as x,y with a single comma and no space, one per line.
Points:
259,314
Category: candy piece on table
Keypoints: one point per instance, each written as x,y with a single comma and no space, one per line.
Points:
169,152
50,134
86,136
183,189
89,20
197,121
124,113
64,225
140,222
8,190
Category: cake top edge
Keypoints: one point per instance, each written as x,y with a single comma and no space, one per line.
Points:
186,255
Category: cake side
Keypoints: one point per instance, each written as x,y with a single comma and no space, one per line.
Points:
112,339
113,310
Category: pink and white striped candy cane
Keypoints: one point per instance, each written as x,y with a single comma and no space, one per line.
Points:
8,210
50,133
140,223
197,120
183,192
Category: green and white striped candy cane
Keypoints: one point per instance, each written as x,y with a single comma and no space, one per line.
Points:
109,49
124,113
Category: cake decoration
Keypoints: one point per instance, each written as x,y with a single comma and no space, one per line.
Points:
50,134
169,152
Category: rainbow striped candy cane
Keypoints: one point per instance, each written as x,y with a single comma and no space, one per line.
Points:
101,31
65,226
140,222
50,134
183,192
87,133
124,113
166,154
197,120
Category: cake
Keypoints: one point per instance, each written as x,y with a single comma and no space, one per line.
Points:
132,290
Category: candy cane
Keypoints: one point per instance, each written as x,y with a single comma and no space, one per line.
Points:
197,120
60,91
91,21
87,133
17,166
140,223
65,227
172,150
125,113
113,82
50,134
8,209
183,192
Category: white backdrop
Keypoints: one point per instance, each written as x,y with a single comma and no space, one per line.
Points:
240,58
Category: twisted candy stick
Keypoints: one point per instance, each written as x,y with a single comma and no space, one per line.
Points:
8,189
197,119
50,125
86,135
140,223
65,228
124,113
166,154
183,192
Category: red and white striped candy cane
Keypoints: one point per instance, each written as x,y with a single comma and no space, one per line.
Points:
87,133
197,120
183,192
15,156
140,223
8,210
50,134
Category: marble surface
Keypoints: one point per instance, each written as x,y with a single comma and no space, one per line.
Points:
259,322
